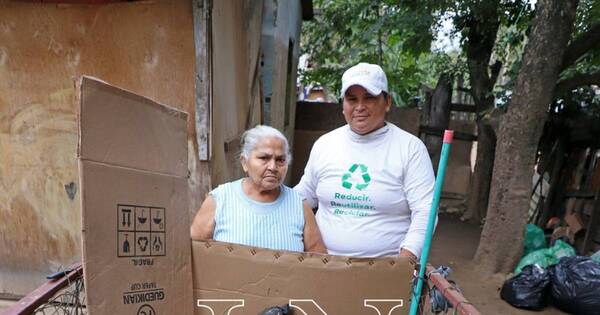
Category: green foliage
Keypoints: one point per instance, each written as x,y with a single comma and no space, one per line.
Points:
395,35
511,43
584,99
588,13
436,62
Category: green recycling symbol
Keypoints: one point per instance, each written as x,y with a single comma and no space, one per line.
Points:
364,174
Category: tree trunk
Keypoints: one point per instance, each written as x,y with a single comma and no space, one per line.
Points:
501,241
483,26
479,189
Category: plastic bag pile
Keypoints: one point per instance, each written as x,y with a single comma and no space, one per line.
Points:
554,275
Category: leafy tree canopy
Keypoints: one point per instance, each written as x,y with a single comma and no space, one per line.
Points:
398,34
395,35
582,68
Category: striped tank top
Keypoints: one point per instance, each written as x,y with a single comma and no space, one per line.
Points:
275,225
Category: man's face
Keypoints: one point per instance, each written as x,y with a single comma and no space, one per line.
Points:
365,112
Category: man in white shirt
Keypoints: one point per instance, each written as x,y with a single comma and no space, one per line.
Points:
371,181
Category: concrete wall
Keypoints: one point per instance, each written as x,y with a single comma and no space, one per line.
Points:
146,47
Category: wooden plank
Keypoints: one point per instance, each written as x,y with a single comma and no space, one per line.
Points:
595,180
43,293
201,11
457,107
556,187
439,132
458,301
452,195
579,194
75,1
592,223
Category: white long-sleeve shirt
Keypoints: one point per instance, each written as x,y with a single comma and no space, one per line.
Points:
373,192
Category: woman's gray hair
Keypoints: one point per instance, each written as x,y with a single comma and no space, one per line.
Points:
253,136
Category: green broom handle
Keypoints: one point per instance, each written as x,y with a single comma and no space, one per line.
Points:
437,192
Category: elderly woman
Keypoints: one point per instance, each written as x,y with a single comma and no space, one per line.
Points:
259,210
371,181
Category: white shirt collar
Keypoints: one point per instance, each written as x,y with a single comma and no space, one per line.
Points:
369,137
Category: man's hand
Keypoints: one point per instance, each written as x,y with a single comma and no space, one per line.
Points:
406,253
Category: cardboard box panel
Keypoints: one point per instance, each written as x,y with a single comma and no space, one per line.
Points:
124,129
125,255
134,200
226,275
574,222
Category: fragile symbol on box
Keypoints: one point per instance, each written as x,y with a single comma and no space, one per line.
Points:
140,231
146,310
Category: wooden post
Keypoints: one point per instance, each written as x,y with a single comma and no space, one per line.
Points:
591,230
439,116
202,40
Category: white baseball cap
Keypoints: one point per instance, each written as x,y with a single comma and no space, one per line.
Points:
369,76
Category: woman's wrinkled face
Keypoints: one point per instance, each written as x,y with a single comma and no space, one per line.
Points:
267,164
365,112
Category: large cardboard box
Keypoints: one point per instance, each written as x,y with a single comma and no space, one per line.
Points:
136,244
236,279
134,199
574,222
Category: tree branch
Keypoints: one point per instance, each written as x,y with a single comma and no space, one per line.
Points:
569,84
482,23
581,45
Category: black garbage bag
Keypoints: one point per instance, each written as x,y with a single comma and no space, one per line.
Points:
529,289
575,285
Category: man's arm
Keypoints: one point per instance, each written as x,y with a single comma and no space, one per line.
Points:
312,236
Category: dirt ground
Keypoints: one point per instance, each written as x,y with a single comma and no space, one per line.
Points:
454,245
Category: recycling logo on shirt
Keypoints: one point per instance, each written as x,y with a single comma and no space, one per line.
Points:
360,172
